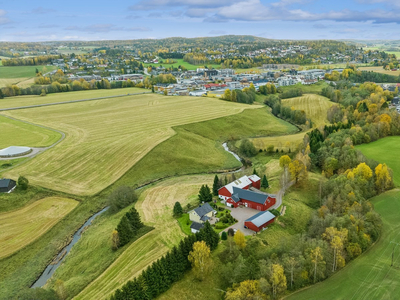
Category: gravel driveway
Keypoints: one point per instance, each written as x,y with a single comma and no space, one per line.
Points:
241,214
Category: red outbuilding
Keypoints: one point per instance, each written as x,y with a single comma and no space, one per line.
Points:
259,221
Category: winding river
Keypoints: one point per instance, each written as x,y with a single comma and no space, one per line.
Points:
52,267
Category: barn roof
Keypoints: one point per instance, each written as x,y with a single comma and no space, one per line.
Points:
239,183
261,218
260,198
196,226
254,178
203,210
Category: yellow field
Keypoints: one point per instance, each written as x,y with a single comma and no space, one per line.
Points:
380,70
18,81
316,108
105,138
155,207
21,227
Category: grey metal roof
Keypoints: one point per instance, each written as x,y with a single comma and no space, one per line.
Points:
4,183
249,195
261,218
203,210
196,226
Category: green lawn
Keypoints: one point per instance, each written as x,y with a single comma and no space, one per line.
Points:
184,223
180,62
369,276
385,151
23,71
17,133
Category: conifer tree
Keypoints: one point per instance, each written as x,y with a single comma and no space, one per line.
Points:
264,182
124,231
216,185
134,219
224,236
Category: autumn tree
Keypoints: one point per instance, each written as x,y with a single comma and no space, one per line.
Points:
316,259
239,239
227,94
200,259
291,264
383,179
284,161
337,239
298,171
115,239
60,289
278,280
246,290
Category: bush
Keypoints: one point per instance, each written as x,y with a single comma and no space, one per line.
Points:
275,212
23,183
121,197
247,148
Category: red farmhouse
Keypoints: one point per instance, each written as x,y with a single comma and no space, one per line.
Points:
244,191
259,221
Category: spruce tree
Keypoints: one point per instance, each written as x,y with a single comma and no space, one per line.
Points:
216,185
224,236
1,94
264,182
125,231
178,211
134,219
254,171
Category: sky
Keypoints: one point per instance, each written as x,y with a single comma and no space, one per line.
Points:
276,19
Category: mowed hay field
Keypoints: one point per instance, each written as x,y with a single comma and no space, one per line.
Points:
155,206
10,102
370,276
380,70
316,108
385,151
21,227
17,133
105,138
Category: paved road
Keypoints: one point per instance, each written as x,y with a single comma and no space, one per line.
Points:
72,101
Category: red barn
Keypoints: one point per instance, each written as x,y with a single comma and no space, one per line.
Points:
256,200
259,221
244,182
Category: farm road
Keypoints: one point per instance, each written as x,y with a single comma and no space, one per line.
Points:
72,101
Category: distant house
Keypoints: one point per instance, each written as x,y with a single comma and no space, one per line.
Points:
7,185
259,221
202,213
195,227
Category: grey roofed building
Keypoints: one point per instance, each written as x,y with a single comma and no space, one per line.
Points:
7,185
196,226
261,218
249,195
203,210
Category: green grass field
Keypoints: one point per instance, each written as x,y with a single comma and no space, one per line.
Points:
21,227
10,102
180,62
308,89
90,255
17,133
379,151
316,108
108,137
20,75
370,275
380,70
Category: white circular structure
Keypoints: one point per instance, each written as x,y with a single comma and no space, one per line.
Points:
13,151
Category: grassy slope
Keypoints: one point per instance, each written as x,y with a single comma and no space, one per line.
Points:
380,151
63,97
308,89
37,217
155,207
316,108
369,276
109,137
17,133
22,71
201,143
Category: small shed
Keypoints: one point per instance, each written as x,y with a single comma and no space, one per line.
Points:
195,227
259,221
7,185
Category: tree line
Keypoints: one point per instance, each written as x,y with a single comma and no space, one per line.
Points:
159,277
